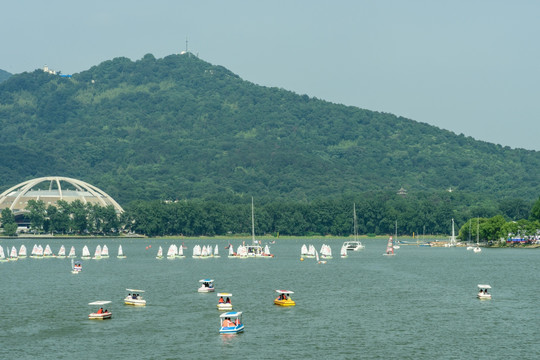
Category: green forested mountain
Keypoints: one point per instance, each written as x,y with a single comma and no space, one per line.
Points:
179,127
4,75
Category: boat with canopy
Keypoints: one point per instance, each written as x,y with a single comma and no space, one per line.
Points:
284,298
231,323
134,298
224,302
207,285
100,314
76,267
483,292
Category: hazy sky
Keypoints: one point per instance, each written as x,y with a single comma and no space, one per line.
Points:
472,67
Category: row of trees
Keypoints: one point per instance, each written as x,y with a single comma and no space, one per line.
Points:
377,214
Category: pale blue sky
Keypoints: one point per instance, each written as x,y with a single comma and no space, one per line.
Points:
472,67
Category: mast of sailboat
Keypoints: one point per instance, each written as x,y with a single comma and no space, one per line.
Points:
477,229
395,237
354,223
453,239
252,223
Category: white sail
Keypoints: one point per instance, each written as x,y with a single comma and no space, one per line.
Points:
216,251
316,255
105,251
13,254
266,250
120,251
171,253
204,251
72,252
97,253
34,250
196,251
22,251
231,250
304,250
181,251
85,252
40,250
343,252
390,247
62,251
48,251
159,253
2,254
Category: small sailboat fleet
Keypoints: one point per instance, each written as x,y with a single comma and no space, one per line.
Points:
120,253
134,298
389,247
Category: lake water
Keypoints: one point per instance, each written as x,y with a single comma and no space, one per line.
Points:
419,304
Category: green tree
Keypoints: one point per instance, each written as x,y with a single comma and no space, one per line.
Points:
37,214
535,211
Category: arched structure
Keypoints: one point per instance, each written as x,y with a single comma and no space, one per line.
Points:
51,189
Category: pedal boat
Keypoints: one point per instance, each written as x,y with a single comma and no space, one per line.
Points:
100,314
231,323
284,298
134,298
225,305
482,292
207,285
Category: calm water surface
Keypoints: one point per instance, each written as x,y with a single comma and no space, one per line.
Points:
419,304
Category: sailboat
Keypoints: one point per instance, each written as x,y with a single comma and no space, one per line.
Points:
22,251
85,253
196,252
180,252
354,245
266,252
171,253
452,241
105,252
303,251
61,253
97,253
120,252
48,252
159,253
343,251
395,239
255,249
72,253
2,255
477,247
326,251
13,256
216,252
231,251
317,258
389,247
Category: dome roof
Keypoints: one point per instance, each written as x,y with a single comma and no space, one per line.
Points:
51,189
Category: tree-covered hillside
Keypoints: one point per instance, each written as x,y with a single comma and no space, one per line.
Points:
4,75
179,127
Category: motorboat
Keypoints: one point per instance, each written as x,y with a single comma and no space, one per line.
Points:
354,245
483,292
207,285
120,253
224,303
477,249
134,298
231,323
284,298
100,314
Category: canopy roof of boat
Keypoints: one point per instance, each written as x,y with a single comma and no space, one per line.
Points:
206,280
224,294
134,290
284,292
484,286
231,314
352,242
101,302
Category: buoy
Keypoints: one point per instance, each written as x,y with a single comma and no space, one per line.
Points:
147,248
150,246
301,259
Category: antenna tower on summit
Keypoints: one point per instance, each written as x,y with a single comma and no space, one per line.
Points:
186,44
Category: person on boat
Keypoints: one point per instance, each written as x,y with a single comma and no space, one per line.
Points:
228,300
227,322
100,311
221,301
